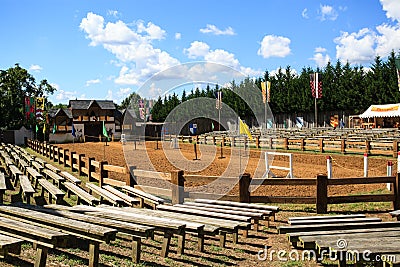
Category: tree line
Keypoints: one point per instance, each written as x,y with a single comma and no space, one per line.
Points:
351,89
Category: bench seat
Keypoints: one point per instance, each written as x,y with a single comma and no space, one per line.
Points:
9,244
37,166
52,168
57,179
127,199
81,194
26,188
3,186
70,177
54,192
143,196
104,194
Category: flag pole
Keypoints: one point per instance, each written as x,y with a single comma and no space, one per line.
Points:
315,99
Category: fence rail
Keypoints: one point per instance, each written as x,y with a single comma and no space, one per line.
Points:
99,170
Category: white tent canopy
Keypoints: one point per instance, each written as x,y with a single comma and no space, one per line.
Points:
382,111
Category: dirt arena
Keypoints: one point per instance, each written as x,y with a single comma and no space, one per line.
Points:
162,157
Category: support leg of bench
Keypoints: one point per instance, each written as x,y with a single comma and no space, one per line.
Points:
255,224
235,236
1,196
28,198
94,254
136,248
222,239
245,233
200,241
181,243
165,244
41,256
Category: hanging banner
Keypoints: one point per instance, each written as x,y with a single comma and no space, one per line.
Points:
316,85
39,103
29,107
264,92
299,122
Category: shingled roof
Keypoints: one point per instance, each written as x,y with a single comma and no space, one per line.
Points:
55,112
85,104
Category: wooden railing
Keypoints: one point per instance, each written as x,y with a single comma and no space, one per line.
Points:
176,183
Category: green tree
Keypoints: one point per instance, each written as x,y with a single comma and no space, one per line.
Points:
15,84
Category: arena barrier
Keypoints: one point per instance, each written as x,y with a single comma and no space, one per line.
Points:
268,167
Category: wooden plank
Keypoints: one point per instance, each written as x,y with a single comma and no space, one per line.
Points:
81,194
324,217
8,243
113,182
114,199
238,204
127,199
54,192
293,181
113,168
221,207
282,199
361,180
70,177
52,168
81,229
361,198
340,226
192,211
152,174
201,195
142,194
225,211
54,176
334,220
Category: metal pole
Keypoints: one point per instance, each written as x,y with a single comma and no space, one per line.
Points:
316,96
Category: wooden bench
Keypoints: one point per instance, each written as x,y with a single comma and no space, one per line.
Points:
57,179
9,244
3,186
130,201
168,227
22,164
44,238
273,209
54,192
136,231
26,188
143,196
33,175
52,168
15,173
325,217
94,234
254,214
104,194
71,178
37,166
40,161
81,194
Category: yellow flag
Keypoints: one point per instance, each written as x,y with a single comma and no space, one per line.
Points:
244,129
264,91
44,128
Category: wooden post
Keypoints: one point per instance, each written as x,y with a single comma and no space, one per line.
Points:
51,152
103,173
232,141
270,143
65,156
321,145
57,159
90,169
130,178
223,141
178,184
257,142
80,163
343,146
244,186
285,143
71,159
302,144
395,148
367,146
322,194
396,192
213,140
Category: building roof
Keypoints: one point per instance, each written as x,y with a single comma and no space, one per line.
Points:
86,104
380,111
59,112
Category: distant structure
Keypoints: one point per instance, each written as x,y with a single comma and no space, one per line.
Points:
86,117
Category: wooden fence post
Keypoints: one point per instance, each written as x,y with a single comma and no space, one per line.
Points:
213,140
285,143
302,144
103,173
367,146
71,159
80,163
396,192
395,148
130,178
65,156
244,186
343,146
321,145
178,184
232,141
90,169
257,142
223,141
322,194
57,159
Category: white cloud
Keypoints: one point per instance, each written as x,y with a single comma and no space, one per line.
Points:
222,57
320,57
197,49
178,36
274,46
62,95
133,48
392,8
388,39
35,68
212,29
90,82
113,13
109,95
327,13
304,13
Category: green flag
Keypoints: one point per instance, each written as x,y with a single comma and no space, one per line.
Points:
105,130
37,128
54,128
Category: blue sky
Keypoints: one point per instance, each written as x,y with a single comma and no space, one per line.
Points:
108,49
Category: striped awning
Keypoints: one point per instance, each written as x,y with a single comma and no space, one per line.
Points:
380,111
